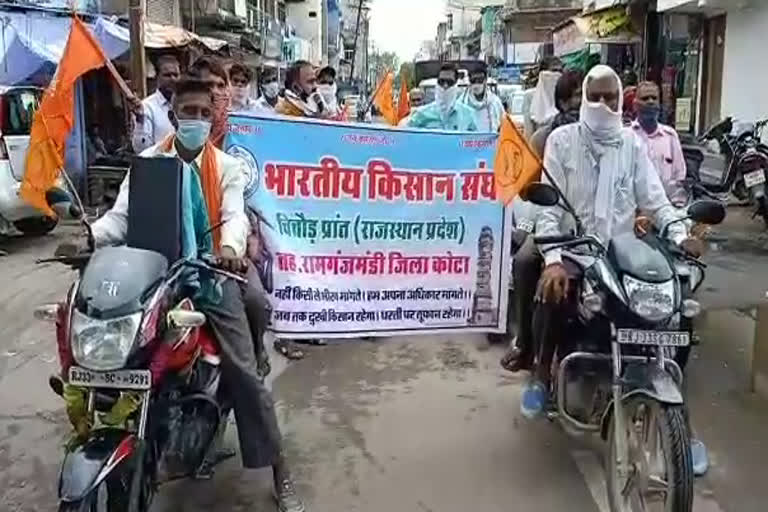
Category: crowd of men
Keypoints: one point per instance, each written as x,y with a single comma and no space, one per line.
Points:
609,172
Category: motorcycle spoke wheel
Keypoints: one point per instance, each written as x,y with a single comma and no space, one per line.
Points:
660,476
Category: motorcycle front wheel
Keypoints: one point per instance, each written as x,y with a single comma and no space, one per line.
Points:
659,476
111,495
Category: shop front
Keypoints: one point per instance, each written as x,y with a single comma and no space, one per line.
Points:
684,44
610,36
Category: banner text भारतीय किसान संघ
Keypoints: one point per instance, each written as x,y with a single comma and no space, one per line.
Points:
375,231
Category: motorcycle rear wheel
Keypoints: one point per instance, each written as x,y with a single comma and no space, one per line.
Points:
660,476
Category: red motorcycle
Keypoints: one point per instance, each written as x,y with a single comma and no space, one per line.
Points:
139,374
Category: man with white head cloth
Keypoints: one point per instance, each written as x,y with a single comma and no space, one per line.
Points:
604,172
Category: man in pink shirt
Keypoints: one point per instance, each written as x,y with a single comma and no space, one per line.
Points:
662,142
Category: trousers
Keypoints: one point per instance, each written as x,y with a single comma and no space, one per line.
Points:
257,428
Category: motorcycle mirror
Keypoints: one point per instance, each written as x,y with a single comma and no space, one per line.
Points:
540,194
707,211
184,318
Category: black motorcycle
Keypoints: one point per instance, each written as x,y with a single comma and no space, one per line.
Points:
617,374
746,162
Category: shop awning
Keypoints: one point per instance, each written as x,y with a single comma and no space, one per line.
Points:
609,26
33,43
156,36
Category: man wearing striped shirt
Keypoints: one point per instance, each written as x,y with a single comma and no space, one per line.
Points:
605,173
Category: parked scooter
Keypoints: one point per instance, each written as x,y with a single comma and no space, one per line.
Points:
616,375
746,162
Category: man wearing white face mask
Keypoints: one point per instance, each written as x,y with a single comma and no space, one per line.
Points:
270,88
446,112
240,78
326,86
539,101
487,107
605,173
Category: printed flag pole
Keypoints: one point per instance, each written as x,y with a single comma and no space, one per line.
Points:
54,119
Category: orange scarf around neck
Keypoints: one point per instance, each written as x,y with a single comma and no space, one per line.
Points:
209,177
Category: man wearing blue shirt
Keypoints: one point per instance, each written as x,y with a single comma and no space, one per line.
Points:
446,112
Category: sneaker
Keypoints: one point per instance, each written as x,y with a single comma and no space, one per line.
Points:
534,400
700,457
287,498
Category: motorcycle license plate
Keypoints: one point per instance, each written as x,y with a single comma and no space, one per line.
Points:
118,379
754,178
659,338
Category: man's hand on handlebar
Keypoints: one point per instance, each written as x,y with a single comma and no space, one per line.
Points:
229,261
553,284
693,247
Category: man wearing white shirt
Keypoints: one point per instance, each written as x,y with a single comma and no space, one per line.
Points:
269,92
151,115
240,79
605,173
258,430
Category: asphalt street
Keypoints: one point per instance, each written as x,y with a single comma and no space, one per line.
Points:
418,424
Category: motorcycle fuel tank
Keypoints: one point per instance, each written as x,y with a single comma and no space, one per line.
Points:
116,280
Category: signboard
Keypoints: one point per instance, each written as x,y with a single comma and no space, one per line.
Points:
568,39
683,114
376,231
610,26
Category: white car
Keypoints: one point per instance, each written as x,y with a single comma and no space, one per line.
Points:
17,108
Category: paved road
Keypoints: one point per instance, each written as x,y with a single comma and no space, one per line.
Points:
415,424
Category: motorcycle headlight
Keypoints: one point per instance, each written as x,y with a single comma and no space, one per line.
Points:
103,344
652,301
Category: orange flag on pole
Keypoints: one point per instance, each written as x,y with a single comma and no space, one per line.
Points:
515,165
54,119
383,99
403,104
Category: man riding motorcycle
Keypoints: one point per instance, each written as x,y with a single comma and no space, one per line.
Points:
604,172
222,185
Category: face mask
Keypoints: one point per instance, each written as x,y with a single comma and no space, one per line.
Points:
478,89
192,133
648,117
240,94
445,98
600,119
328,92
270,89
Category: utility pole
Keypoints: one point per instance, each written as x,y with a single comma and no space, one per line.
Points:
136,10
357,34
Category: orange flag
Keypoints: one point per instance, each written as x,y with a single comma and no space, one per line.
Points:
54,119
403,104
515,165
383,99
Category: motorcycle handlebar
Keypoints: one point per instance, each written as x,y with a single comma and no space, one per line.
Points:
209,265
75,261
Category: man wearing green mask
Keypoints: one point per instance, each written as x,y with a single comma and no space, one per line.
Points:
220,181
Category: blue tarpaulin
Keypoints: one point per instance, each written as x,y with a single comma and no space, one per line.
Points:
32,44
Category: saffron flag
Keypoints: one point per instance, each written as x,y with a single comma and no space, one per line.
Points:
403,104
383,99
515,164
54,118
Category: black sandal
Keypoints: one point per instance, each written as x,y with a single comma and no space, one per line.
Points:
289,350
